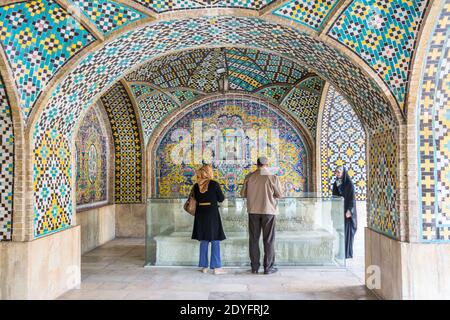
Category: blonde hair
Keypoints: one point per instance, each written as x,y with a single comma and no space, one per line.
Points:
204,175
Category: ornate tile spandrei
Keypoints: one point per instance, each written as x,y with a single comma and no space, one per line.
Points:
108,15
102,68
311,13
6,166
153,109
140,90
176,70
305,105
185,95
342,142
92,159
38,38
383,33
276,92
433,127
160,6
127,145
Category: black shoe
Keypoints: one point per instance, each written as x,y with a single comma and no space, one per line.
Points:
270,271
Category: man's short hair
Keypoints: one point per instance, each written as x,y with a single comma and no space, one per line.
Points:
262,161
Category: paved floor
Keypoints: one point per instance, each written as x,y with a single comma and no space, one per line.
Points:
114,271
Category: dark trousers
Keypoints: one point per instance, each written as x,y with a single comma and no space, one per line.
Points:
266,223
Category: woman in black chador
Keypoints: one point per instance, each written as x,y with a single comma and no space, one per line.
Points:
343,187
207,223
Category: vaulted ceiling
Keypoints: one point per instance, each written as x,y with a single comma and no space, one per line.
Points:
39,37
165,84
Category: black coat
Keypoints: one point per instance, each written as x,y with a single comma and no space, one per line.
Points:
347,190
207,222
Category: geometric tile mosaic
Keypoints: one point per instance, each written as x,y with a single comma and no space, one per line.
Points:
100,69
275,92
383,33
433,129
342,142
384,208
304,104
185,96
244,74
108,15
160,6
247,70
38,38
250,69
139,90
6,166
153,109
311,13
91,159
52,175
185,69
127,144
314,84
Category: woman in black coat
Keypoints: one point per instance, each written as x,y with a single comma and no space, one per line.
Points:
207,223
343,187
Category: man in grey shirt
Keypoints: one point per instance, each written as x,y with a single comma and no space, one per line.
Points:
262,189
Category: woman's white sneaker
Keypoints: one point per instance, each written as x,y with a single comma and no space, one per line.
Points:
219,271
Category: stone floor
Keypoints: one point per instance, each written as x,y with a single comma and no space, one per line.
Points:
114,271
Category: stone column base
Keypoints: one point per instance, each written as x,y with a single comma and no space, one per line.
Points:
407,270
43,268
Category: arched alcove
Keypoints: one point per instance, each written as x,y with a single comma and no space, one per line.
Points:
252,126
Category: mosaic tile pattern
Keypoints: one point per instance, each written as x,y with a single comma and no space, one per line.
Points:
153,109
276,92
185,69
108,15
185,96
205,78
6,166
274,69
100,69
52,174
140,90
304,104
127,145
311,13
434,133
38,37
384,209
92,160
247,70
342,142
383,33
160,6
243,73
314,84
255,119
